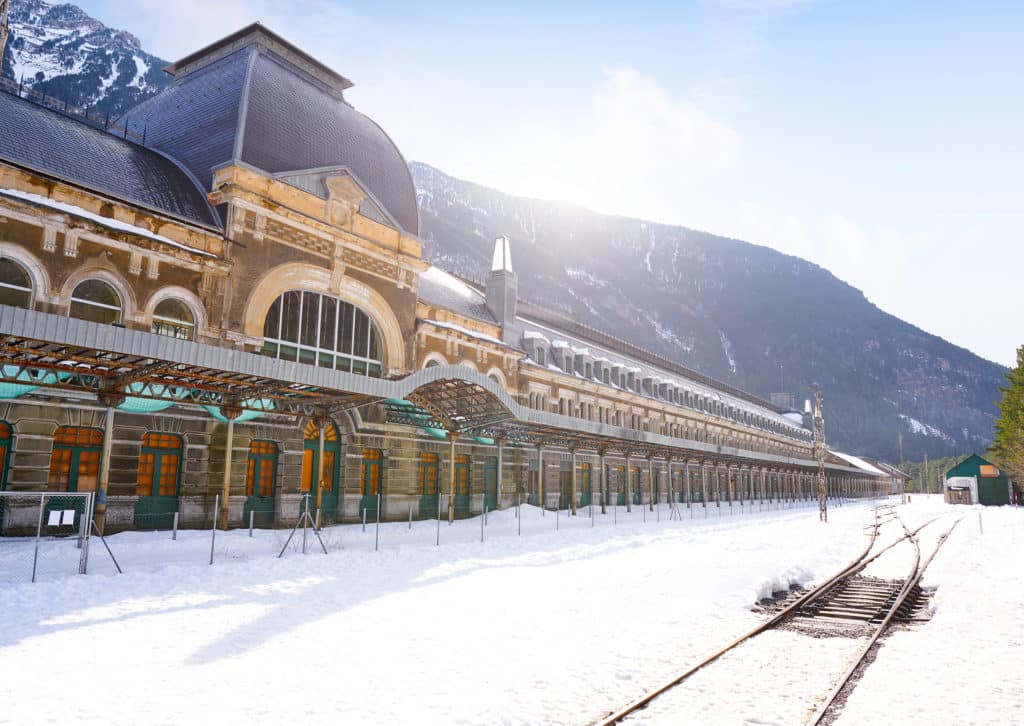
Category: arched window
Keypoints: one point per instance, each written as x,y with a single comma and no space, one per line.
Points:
159,465
261,470
97,301
15,284
322,331
174,319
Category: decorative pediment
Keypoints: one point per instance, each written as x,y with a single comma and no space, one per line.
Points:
343,190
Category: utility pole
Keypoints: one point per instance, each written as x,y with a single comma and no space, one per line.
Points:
924,476
903,485
819,454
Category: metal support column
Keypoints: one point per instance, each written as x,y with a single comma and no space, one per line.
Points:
452,436
497,484
650,484
101,492
604,482
629,485
572,480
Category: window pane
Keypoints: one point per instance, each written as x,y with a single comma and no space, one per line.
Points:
362,328
15,285
96,301
310,313
328,323
273,321
345,312
290,316
374,343
173,318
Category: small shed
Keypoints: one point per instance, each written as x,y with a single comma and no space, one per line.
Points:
977,481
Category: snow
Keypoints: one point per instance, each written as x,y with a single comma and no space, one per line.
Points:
452,283
727,349
555,626
465,331
964,666
141,69
858,462
535,335
917,427
102,221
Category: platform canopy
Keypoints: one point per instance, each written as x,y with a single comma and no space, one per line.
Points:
60,353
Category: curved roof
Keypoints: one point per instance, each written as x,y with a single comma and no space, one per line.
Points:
60,146
254,98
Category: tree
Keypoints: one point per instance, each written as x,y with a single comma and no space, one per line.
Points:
1008,446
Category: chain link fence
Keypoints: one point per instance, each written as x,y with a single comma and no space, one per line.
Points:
44,534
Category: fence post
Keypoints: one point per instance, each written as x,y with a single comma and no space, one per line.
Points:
482,518
410,517
174,527
981,530
438,543
252,520
305,520
213,531
364,519
519,518
39,531
376,534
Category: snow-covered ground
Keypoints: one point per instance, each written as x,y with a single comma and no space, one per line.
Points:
550,627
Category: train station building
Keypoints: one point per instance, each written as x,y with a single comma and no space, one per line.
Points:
221,297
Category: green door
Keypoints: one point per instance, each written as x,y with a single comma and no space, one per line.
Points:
371,489
260,483
462,485
637,494
429,474
491,483
312,473
74,467
583,484
620,481
158,482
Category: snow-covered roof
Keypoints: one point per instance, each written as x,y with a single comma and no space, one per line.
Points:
107,222
858,462
465,331
535,335
443,289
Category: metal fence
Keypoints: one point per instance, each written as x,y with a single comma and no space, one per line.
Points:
44,533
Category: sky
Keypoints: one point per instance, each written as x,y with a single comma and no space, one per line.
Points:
879,139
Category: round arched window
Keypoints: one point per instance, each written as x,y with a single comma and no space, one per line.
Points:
173,318
97,301
15,284
322,331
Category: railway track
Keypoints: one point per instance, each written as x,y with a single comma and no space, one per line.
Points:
845,596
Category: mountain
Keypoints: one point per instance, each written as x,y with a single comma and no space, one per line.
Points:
62,52
745,314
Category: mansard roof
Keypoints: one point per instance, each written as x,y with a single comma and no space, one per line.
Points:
48,142
255,98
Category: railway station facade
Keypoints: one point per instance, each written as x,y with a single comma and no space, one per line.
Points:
222,294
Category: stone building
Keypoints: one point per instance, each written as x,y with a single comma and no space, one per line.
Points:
223,294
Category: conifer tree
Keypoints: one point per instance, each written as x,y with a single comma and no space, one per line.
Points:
1008,445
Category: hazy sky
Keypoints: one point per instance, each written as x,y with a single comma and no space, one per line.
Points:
879,139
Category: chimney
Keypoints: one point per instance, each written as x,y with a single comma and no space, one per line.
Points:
502,285
808,422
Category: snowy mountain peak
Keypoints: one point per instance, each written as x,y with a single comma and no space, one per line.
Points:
59,50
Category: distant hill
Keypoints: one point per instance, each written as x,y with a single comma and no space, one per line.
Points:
743,313
59,50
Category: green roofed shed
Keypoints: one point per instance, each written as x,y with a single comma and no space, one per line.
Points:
977,481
